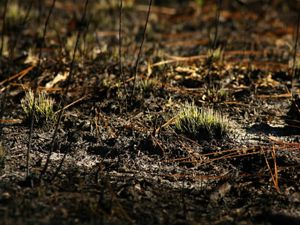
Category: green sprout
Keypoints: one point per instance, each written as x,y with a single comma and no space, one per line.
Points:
215,95
43,107
147,85
201,123
215,54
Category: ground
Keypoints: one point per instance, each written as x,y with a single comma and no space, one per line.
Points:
117,157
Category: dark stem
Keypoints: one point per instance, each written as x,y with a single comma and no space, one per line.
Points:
60,165
66,90
214,43
32,114
294,75
120,51
120,38
217,22
140,49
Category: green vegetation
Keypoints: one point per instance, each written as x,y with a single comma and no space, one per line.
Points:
147,86
201,123
215,95
43,107
15,12
215,54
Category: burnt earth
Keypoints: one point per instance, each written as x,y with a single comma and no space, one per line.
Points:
117,158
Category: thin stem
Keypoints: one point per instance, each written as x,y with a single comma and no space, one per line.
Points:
120,51
217,22
214,43
294,77
32,114
120,38
60,165
66,90
140,49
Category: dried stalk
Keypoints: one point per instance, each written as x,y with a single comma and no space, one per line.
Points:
294,75
35,89
120,51
65,91
140,49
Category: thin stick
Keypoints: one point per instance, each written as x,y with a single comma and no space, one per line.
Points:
217,22
120,51
59,166
295,56
68,81
274,175
120,38
32,114
140,49
214,43
71,104
275,169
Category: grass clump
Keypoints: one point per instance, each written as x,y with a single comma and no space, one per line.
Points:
44,105
215,95
201,123
147,86
215,55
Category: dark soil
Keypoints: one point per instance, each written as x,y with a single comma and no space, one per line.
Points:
117,157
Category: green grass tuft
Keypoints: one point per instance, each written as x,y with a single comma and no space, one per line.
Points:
43,107
201,123
147,86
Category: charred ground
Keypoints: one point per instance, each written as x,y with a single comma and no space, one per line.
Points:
124,162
